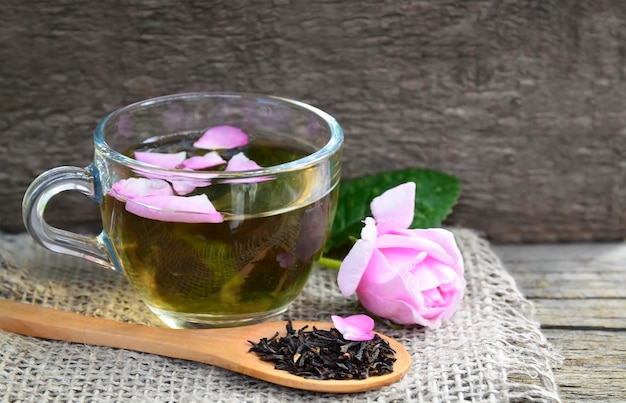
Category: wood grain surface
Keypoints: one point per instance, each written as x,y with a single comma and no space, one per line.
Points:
579,294
522,100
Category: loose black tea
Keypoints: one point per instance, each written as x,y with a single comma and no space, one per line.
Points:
325,354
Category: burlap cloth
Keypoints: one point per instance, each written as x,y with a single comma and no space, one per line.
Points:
492,350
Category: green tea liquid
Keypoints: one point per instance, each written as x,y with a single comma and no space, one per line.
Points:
253,262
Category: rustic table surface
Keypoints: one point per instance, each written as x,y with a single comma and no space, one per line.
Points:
579,291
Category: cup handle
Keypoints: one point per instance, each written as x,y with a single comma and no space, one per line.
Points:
39,193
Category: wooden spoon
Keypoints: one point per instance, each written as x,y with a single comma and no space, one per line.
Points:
224,347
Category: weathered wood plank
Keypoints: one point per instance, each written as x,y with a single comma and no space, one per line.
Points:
570,286
522,100
608,255
567,271
592,313
578,292
594,369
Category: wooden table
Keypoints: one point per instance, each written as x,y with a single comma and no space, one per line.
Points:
579,291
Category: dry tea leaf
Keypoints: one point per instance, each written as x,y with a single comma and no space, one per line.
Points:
325,354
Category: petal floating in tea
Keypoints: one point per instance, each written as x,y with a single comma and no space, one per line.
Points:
207,160
183,186
192,209
239,162
222,137
138,187
284,259
164,160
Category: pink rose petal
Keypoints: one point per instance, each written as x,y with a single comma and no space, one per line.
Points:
285,259
186,186
386,280
425,278
239,162
398,311
222,137
355,262
394,209
203,161
181,184
355,327
163,160
445,239
191,209
417,242
442,272
139,187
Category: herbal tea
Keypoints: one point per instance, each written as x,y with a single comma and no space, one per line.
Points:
255,261
214,205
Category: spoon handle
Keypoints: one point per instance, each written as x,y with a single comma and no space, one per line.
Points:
222,347
47,323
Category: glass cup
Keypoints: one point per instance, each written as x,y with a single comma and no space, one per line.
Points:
224,245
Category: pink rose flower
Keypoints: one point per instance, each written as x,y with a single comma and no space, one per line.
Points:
409,276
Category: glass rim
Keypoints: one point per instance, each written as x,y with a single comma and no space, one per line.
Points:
332,145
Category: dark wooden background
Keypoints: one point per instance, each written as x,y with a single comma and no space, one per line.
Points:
525,101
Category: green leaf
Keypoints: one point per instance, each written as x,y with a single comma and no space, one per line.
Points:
435,195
